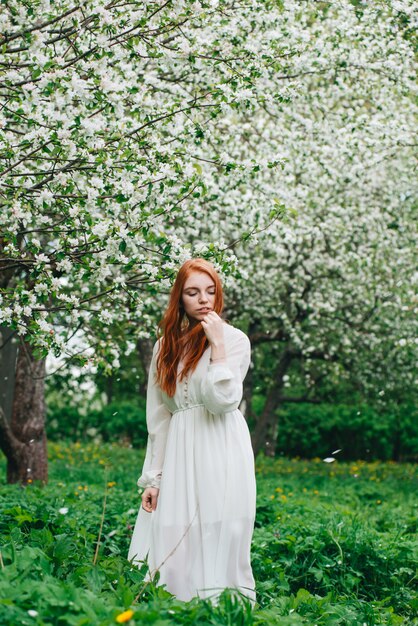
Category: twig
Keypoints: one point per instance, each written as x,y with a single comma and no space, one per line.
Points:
152,573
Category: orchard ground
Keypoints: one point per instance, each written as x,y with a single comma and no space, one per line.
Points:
334,543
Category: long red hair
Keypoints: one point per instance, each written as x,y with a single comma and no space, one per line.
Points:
178,337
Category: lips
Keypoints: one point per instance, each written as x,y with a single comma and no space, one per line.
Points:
203,310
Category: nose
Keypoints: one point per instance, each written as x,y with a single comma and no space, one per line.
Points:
203,298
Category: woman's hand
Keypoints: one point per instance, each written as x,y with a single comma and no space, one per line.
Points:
149,499
212,324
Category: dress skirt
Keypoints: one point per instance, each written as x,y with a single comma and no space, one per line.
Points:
199,536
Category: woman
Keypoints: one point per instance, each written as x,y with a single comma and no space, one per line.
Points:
198,506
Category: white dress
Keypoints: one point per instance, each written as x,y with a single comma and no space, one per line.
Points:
199,454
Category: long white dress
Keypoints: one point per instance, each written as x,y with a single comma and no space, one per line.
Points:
199,454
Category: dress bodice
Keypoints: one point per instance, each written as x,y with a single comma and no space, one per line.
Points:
188,390
215,387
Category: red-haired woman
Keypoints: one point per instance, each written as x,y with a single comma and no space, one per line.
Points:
198,505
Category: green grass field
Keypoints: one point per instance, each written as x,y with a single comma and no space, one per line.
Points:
334,544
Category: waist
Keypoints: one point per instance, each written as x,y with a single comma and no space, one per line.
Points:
186,408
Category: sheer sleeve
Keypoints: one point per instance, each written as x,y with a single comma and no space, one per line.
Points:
222,387
158,421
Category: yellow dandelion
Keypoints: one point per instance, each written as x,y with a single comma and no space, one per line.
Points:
378,502
29,480
283,497
316,492
272,497
124,617
111,483
279,490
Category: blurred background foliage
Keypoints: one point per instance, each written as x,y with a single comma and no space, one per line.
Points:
112,409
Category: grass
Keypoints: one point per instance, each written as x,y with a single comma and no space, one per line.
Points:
334,544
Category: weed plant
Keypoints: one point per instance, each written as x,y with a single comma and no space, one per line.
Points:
334,544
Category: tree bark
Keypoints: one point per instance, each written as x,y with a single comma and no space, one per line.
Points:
247,397
144,348
8,354
23,438
265,423
248,388
265,432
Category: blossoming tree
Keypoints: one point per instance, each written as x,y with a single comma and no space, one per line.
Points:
110,114
136,136
330,297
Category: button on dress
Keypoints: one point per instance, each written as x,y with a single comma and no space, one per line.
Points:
200,456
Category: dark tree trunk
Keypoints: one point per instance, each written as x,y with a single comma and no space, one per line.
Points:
265,432
249,384
23,438
247,395
144,347
261,437
8,354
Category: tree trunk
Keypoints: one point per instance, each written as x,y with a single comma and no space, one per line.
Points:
264,426
266,429
23,438
248,395
144,348
249,386
8,354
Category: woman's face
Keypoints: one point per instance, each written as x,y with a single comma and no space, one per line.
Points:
198,296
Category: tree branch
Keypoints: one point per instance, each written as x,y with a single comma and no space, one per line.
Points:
6,38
